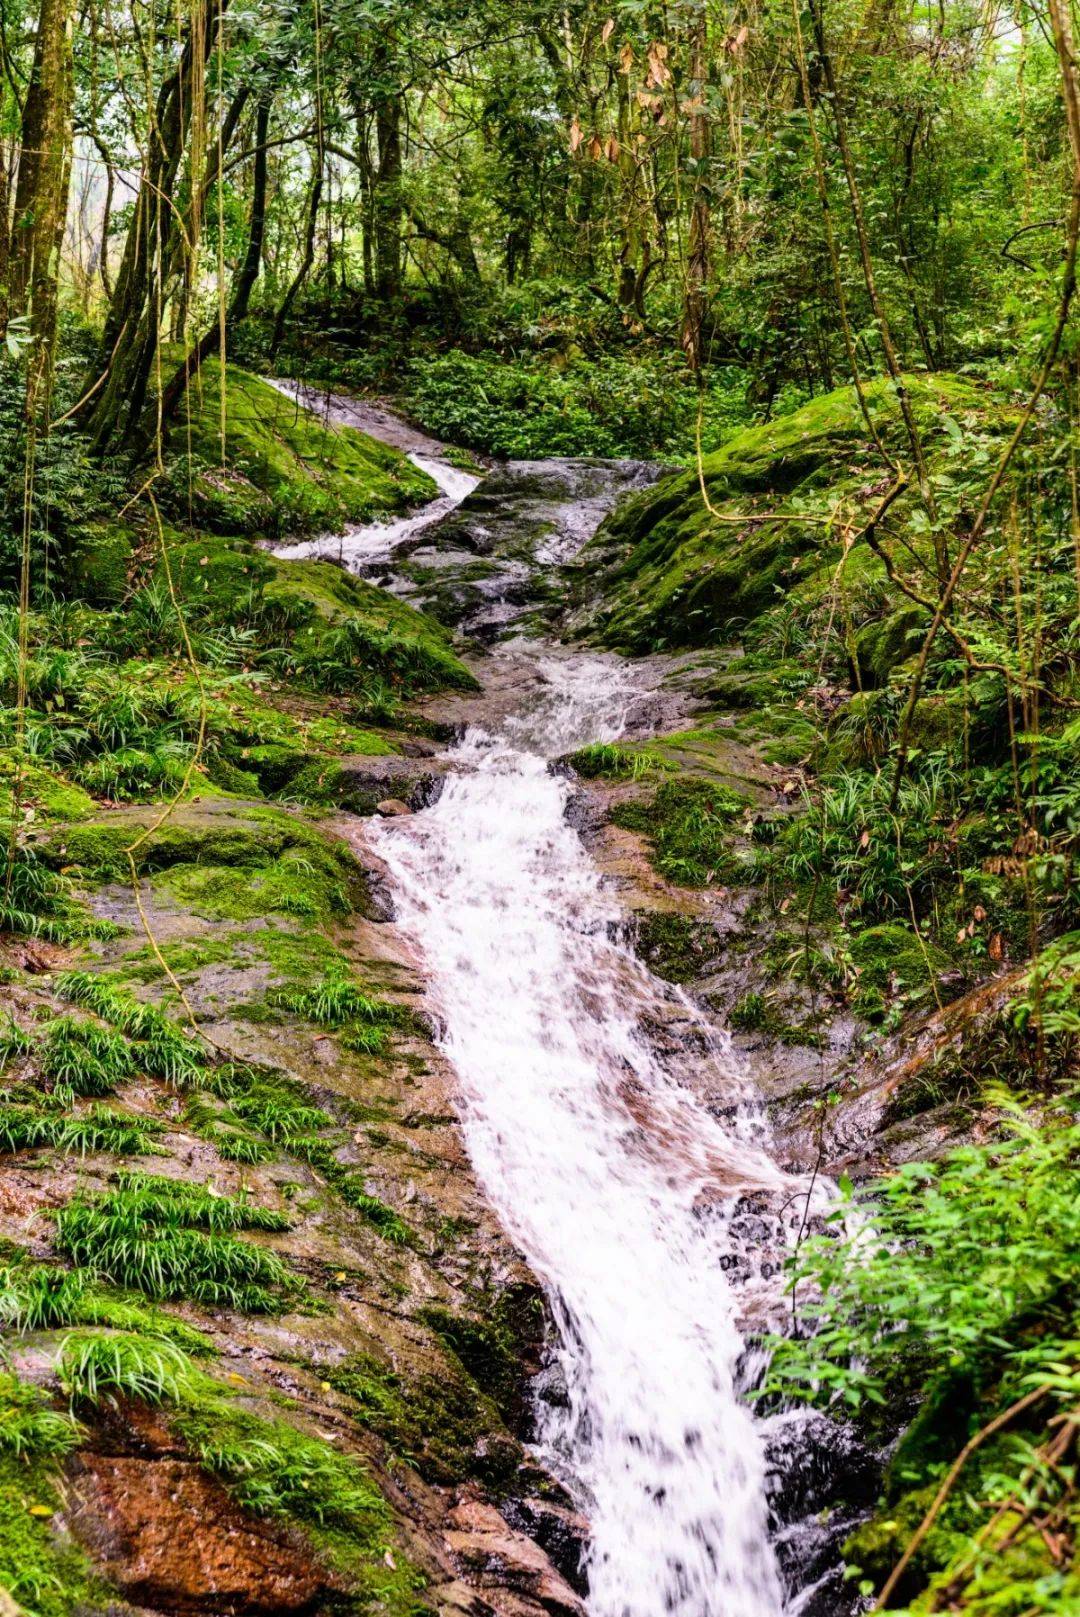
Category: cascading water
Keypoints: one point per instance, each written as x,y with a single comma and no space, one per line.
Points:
611,1175
365,546
597,1142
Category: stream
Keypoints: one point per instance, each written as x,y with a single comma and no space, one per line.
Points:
599,1140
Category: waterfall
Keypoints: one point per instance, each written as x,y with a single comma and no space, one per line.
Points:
611,1174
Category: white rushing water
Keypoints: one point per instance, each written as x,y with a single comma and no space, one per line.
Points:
365,545
608,1170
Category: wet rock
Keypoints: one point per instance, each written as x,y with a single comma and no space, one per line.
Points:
488,1548
363,783
168,1536
391,807
561,1532
822,1480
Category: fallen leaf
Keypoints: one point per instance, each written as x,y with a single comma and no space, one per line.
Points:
575,135
979,913
607,30
626,58
996,947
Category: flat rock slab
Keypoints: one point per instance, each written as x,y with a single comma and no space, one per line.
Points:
168,1536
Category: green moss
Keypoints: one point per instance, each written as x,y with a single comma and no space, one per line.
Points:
435,1422
273,1468
682,576
281,848
881,646
292,886
99,568
892,961
761,1013
690,823
1007,1583
40,1566
51,796
677,947
286,470
491,1348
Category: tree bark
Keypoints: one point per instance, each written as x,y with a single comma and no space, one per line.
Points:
387,198
249,270
314,199
152,250
44,176
697,262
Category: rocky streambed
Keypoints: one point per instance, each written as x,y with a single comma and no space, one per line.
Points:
533,1181
622,1137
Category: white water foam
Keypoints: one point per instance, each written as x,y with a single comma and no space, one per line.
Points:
365,545
610,1173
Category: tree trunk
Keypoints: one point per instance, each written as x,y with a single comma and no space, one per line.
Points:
697,265
314,198
153,250
387,199
249,270
44,176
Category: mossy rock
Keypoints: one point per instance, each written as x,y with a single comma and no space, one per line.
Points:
212,837
101,562
677,947
339,629
40,1565
441,1422
892,960
280,468
882,646
666,570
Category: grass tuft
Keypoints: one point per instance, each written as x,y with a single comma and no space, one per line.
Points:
172,1240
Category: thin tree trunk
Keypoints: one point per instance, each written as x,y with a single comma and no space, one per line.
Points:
249,270
314,198
697,265
152,250
44,175
388,206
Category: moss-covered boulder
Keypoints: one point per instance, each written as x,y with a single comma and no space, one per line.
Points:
670,569
340,632
255,461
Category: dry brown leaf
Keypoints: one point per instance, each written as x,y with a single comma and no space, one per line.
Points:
659,72
626,58
607,30
575,135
